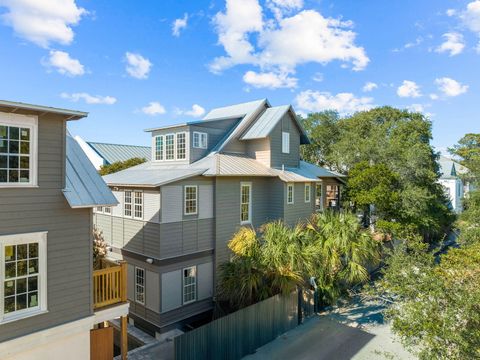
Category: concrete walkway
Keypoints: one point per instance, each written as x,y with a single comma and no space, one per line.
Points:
355,331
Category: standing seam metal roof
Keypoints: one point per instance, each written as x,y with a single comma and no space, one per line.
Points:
116,152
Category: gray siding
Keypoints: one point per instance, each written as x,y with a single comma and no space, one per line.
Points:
287,124
69,259
299,210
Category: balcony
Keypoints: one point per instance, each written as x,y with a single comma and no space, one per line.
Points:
110,285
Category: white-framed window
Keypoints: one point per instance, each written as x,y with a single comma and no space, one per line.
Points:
99,209
190,199
159,147
23,275
127,203
318,197
308,192
181,146
200,140
140,285
18,150
189,284
290,194
138,205
285,142
245,203
170,147
107,210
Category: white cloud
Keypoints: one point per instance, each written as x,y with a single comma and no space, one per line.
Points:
450,12
64,64
318,77
271,80
409,89
196,111
433,96
344,103
369,86
43,22
416,108
179,24
454,44
154,108
450,87
471,16
137,66
89,99
280,44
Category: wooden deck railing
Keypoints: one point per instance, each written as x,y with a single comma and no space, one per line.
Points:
110,285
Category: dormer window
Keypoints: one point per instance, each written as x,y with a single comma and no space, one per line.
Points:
170,147
200,140
18,150
181,147
159,147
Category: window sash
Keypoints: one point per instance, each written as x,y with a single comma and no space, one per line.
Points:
200,140
159,147
170,147
245,203
189,276
22,275
127,203
308,192
285,142
140,285
181,146
107,210
138,205
290,194
318,197
190,200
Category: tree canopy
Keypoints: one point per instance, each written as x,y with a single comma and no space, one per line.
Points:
120,165
392,146
468,151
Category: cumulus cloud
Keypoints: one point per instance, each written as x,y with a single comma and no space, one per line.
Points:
137,66
450,87
271,80
43,22
416,108
453,44
409,89
279,44
195,111
369,86
154,108
344,103
89,99
318,77
179,24
471,16
64,64
433,96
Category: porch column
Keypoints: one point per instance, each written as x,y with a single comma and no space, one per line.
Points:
123,319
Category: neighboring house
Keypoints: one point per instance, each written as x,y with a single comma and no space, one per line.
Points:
105,154
455,187
49,304
239,166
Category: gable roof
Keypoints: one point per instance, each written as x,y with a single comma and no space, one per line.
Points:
118,152
450,169
14,105
84,187
265,124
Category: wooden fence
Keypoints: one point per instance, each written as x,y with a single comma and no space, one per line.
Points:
242,332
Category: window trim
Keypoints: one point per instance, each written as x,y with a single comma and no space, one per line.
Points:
31,122
174,147
18,239
319,208
105,212
285,142
249,184
200,134
136,284
183,285
142,204
309,186
290,185
185,143
154,147
130,203
185,200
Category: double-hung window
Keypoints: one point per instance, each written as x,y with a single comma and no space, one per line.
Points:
245,203
18,150
290,194
200,140
23,290
285,142
190,199
181,146
138,205
189,284
107,210
140,285
127,203
308,192
159,147
170,147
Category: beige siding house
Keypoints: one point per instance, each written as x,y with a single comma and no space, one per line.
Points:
239,166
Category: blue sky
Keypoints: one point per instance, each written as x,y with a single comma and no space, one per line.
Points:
135,65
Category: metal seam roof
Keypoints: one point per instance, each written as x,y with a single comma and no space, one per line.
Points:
117,152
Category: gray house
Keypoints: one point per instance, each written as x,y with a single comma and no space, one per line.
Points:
50,305
239,166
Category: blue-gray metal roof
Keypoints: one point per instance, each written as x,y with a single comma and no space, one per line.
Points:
450,169
117,152
264,125
84,187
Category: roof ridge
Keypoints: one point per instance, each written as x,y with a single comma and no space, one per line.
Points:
103,143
